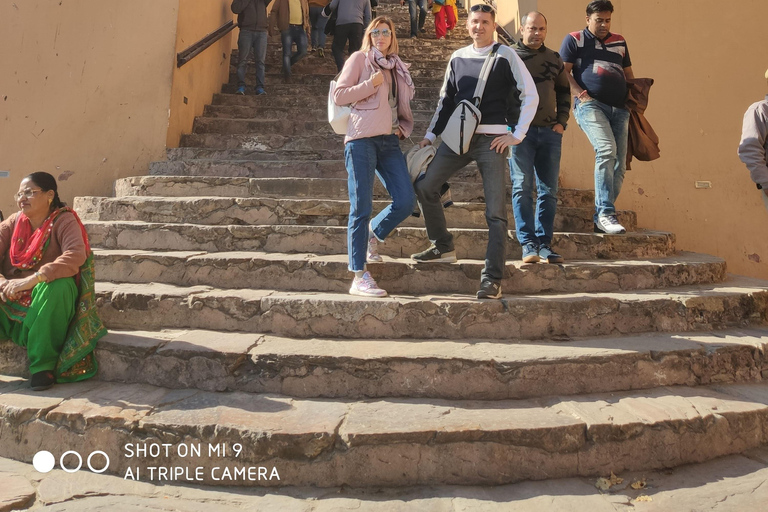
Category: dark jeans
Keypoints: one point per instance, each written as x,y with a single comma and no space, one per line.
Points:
318,22
352,32
247,40
294,34
493,169
536,160
418,12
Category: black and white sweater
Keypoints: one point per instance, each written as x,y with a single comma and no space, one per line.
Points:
509,100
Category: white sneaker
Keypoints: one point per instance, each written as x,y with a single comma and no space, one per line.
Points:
366,287
373,250
608,224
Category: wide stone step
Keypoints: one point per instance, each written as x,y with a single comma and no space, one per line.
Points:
454,370
422,78
297,272
736,302
314,64
299,211
404,241
266,142
268,111
325,188
273,169
287,126
276,88
268,100
324,442
312,73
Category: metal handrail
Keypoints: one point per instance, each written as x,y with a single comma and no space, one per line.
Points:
504,36
196,49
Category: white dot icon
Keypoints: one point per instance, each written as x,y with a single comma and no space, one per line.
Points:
43,461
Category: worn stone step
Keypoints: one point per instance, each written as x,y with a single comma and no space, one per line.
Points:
276,88
323,442
735,302
268,142
310,73
431,77
327,188
454,370
426,104
297,272
271,112
301,211
287,126
404,241
273,169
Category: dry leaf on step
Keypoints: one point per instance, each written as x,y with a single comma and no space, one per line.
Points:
640,484
643,498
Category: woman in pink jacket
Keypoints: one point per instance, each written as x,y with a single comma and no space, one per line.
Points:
379,88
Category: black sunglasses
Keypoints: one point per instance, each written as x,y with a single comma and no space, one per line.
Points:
482,8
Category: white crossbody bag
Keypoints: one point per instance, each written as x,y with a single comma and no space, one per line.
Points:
466,117
338,115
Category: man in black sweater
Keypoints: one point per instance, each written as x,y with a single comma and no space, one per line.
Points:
252,20
537,158
508,106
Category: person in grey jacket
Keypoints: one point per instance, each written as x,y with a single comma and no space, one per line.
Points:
753,148
352,16
252,20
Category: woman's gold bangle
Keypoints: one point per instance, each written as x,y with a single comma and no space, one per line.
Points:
40,277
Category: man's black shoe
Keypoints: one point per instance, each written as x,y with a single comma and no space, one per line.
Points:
433,255
489,290
42,380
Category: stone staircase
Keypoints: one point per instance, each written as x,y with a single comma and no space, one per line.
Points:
223,279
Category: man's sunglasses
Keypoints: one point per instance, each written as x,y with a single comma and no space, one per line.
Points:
482,8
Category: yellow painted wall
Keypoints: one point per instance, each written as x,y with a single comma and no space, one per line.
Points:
202,77
708,62
84,90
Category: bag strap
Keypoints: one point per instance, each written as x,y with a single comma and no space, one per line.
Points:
484,74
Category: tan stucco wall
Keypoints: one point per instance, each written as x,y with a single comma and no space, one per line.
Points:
705,80
84,90
204,75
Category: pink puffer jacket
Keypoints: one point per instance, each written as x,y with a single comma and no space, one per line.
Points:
371,115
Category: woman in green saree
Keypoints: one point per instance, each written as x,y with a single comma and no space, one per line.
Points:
46,285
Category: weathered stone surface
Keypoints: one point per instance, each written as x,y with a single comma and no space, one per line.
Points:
485,370
296,126
208,210
733,303
297,272
321,90
472,369
16,492
331,443
13,359
318,188
469,243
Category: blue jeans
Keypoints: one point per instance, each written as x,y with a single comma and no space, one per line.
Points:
294,34
247,40
418,12
536,158
493,168
363,157
606,128
318,21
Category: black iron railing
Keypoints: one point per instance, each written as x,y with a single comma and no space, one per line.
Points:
197,48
